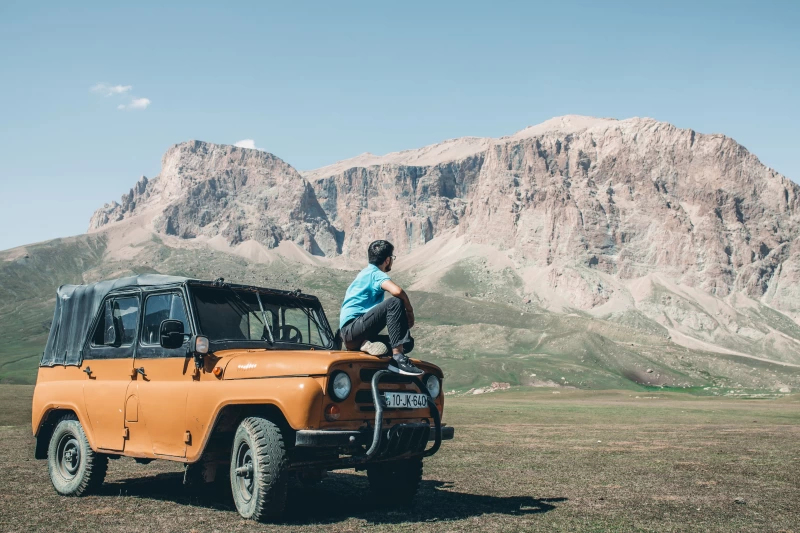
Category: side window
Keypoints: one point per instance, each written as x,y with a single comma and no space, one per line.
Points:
118,322
99,336
160,307
126,311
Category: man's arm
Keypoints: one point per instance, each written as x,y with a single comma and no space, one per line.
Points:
397,291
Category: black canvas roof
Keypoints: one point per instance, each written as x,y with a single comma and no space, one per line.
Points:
76,306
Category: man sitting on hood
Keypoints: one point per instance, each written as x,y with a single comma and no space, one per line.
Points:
365,312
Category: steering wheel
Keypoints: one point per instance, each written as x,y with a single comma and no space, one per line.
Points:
290,333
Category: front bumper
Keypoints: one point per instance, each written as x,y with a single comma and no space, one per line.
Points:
380,442
320,438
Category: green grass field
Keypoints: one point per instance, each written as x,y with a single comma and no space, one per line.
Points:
521,461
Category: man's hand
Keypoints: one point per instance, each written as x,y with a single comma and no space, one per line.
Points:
397,291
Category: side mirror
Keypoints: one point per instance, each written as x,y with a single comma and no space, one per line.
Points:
171,334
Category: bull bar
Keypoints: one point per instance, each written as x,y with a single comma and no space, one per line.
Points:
400,440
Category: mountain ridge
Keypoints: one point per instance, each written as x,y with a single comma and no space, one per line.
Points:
623,197
600,230
457,148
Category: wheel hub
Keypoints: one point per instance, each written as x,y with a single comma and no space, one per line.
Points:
69,454
244,471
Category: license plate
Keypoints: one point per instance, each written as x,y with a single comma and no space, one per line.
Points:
405,400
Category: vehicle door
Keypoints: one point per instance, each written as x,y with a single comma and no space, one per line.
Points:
108,362
156,403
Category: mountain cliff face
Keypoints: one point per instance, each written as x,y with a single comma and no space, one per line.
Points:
237,193
627,198
589,203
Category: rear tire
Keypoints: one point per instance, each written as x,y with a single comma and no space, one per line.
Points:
258,469
396,482
75,469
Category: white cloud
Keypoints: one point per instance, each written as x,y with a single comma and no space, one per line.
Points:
136,103
106,89
246,143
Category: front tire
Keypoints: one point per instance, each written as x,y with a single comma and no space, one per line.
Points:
75,469
258,469
396,482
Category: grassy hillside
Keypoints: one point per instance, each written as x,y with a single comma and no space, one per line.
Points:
474,324
480,342
28,285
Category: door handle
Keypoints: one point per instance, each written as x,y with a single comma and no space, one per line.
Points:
141,371
88,371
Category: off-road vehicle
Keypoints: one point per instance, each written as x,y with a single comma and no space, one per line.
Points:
245,385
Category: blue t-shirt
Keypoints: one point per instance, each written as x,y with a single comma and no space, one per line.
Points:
363,294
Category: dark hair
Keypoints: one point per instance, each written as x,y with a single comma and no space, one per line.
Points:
378,251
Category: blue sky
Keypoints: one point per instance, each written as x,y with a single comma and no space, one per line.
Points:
314,83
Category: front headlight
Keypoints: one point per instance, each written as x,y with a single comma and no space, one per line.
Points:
340,386
432,382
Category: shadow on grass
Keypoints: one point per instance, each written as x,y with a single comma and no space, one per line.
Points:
341,496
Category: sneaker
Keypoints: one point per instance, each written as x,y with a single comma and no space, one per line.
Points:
404,366
374,348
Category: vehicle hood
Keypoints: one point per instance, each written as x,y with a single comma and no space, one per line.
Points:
250,364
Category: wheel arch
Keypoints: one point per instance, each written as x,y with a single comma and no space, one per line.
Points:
227,420
47,424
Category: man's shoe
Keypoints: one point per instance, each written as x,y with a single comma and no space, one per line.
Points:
404,366
374,348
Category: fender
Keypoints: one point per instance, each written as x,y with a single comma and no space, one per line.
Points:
298,400
60,388
43,418
69,398
44,423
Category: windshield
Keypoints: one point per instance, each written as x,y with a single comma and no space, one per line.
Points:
233,314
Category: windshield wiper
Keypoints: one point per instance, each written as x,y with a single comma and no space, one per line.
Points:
302,306
264,316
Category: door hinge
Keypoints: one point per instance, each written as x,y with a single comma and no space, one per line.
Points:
187,437
124,433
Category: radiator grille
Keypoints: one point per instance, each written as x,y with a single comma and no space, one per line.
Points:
366,376
364,396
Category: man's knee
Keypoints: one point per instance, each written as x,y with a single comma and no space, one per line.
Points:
396,304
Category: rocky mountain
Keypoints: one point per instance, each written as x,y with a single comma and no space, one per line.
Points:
625,198
594,252
239,194
591,201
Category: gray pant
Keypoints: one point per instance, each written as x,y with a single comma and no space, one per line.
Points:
389,314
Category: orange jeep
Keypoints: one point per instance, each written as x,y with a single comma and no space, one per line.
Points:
242,384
